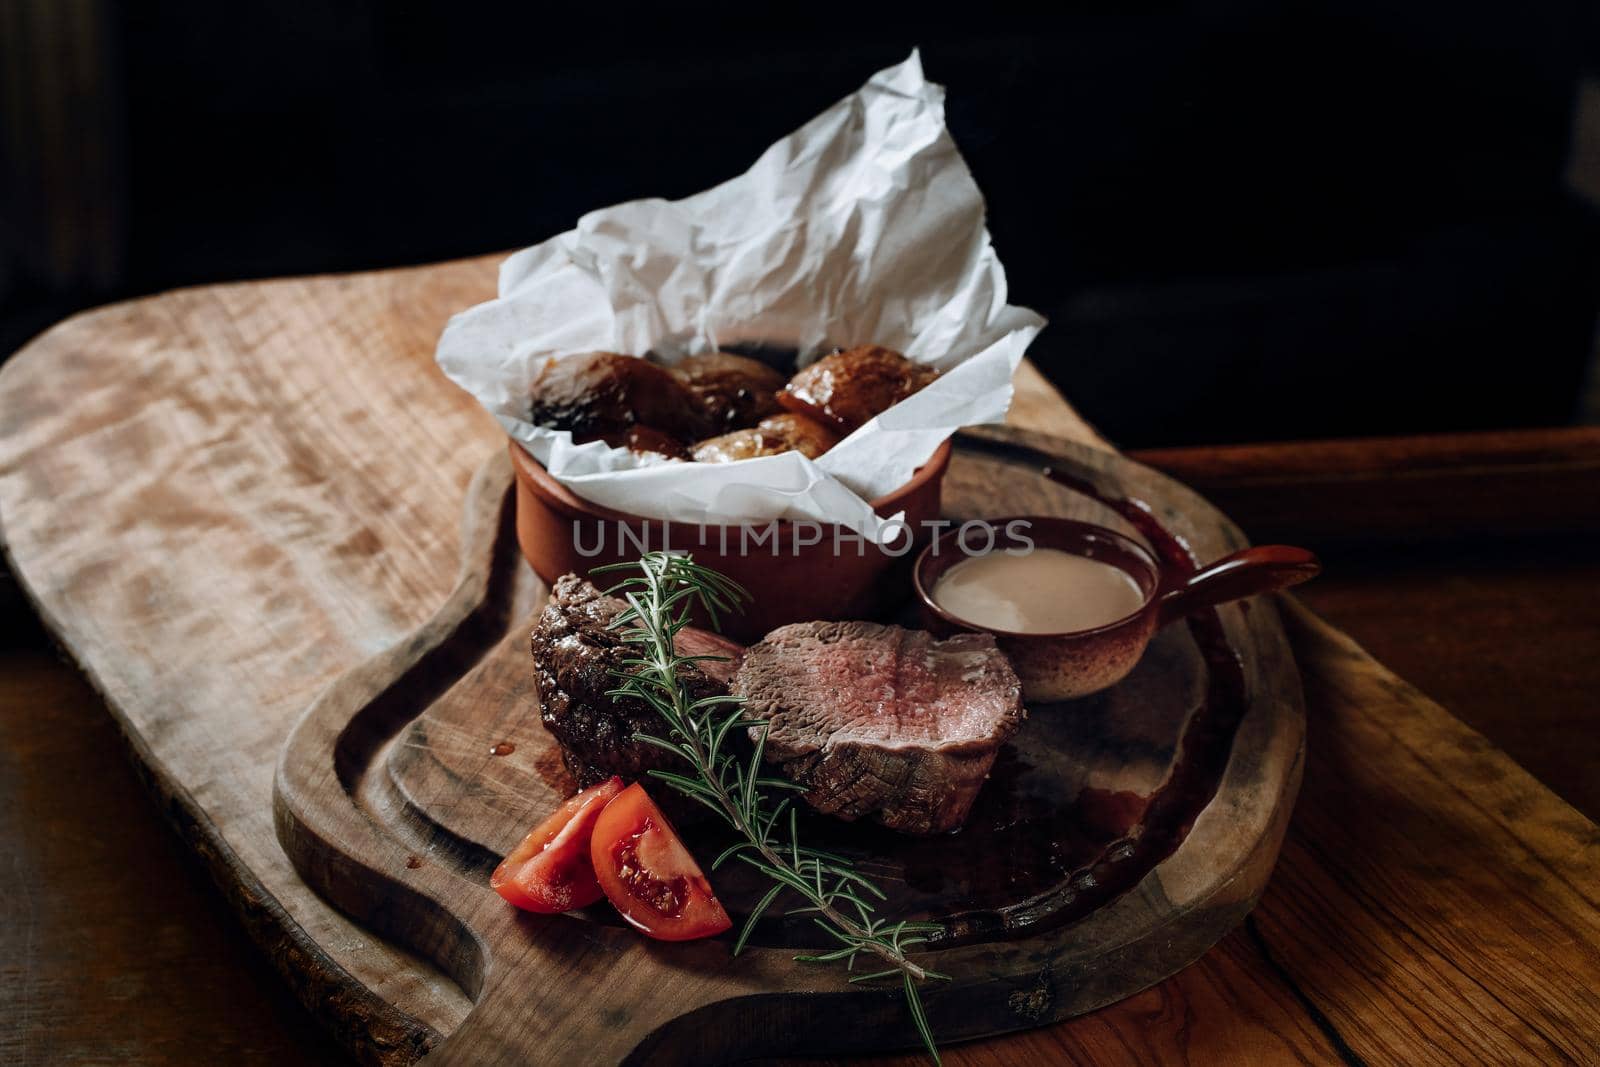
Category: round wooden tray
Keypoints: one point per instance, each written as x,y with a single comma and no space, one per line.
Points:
390,804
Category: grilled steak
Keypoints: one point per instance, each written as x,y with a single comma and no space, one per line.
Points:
881,721
574,653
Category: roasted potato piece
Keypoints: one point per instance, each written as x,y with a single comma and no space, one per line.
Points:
850,387
733,391
603,392
642,439
769,437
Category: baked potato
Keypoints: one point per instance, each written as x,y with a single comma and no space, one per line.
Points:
850,387
733,391
772,436
642,439
602,393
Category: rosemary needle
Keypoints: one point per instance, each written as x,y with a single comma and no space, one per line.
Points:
842,901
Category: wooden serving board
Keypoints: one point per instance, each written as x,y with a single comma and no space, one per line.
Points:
407,780
221,500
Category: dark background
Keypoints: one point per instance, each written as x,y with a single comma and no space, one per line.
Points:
1245,222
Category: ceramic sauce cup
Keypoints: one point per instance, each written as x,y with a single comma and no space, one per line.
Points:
1076,662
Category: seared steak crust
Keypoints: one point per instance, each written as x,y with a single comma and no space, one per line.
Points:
575,652
880,721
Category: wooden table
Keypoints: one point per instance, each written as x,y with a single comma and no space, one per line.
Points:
116,948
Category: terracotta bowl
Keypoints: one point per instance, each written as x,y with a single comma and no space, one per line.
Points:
1063,666
789,578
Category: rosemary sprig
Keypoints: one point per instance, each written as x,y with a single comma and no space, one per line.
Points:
840,899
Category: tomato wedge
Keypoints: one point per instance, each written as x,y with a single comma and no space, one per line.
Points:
648,875
550,871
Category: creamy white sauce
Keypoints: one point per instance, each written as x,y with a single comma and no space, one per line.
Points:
1045,591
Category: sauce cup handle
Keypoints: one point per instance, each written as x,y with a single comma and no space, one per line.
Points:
1261,569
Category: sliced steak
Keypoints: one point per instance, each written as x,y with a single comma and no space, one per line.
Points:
575,652
881,721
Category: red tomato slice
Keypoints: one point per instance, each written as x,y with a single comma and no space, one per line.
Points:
648,875
550,871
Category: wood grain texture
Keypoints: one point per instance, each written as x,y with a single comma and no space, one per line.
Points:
1493,532
1453,903
1501,632
107,916
1430,488
390,802
1433,905
162,465
156,456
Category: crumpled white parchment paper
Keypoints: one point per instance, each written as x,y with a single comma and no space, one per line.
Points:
864,226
